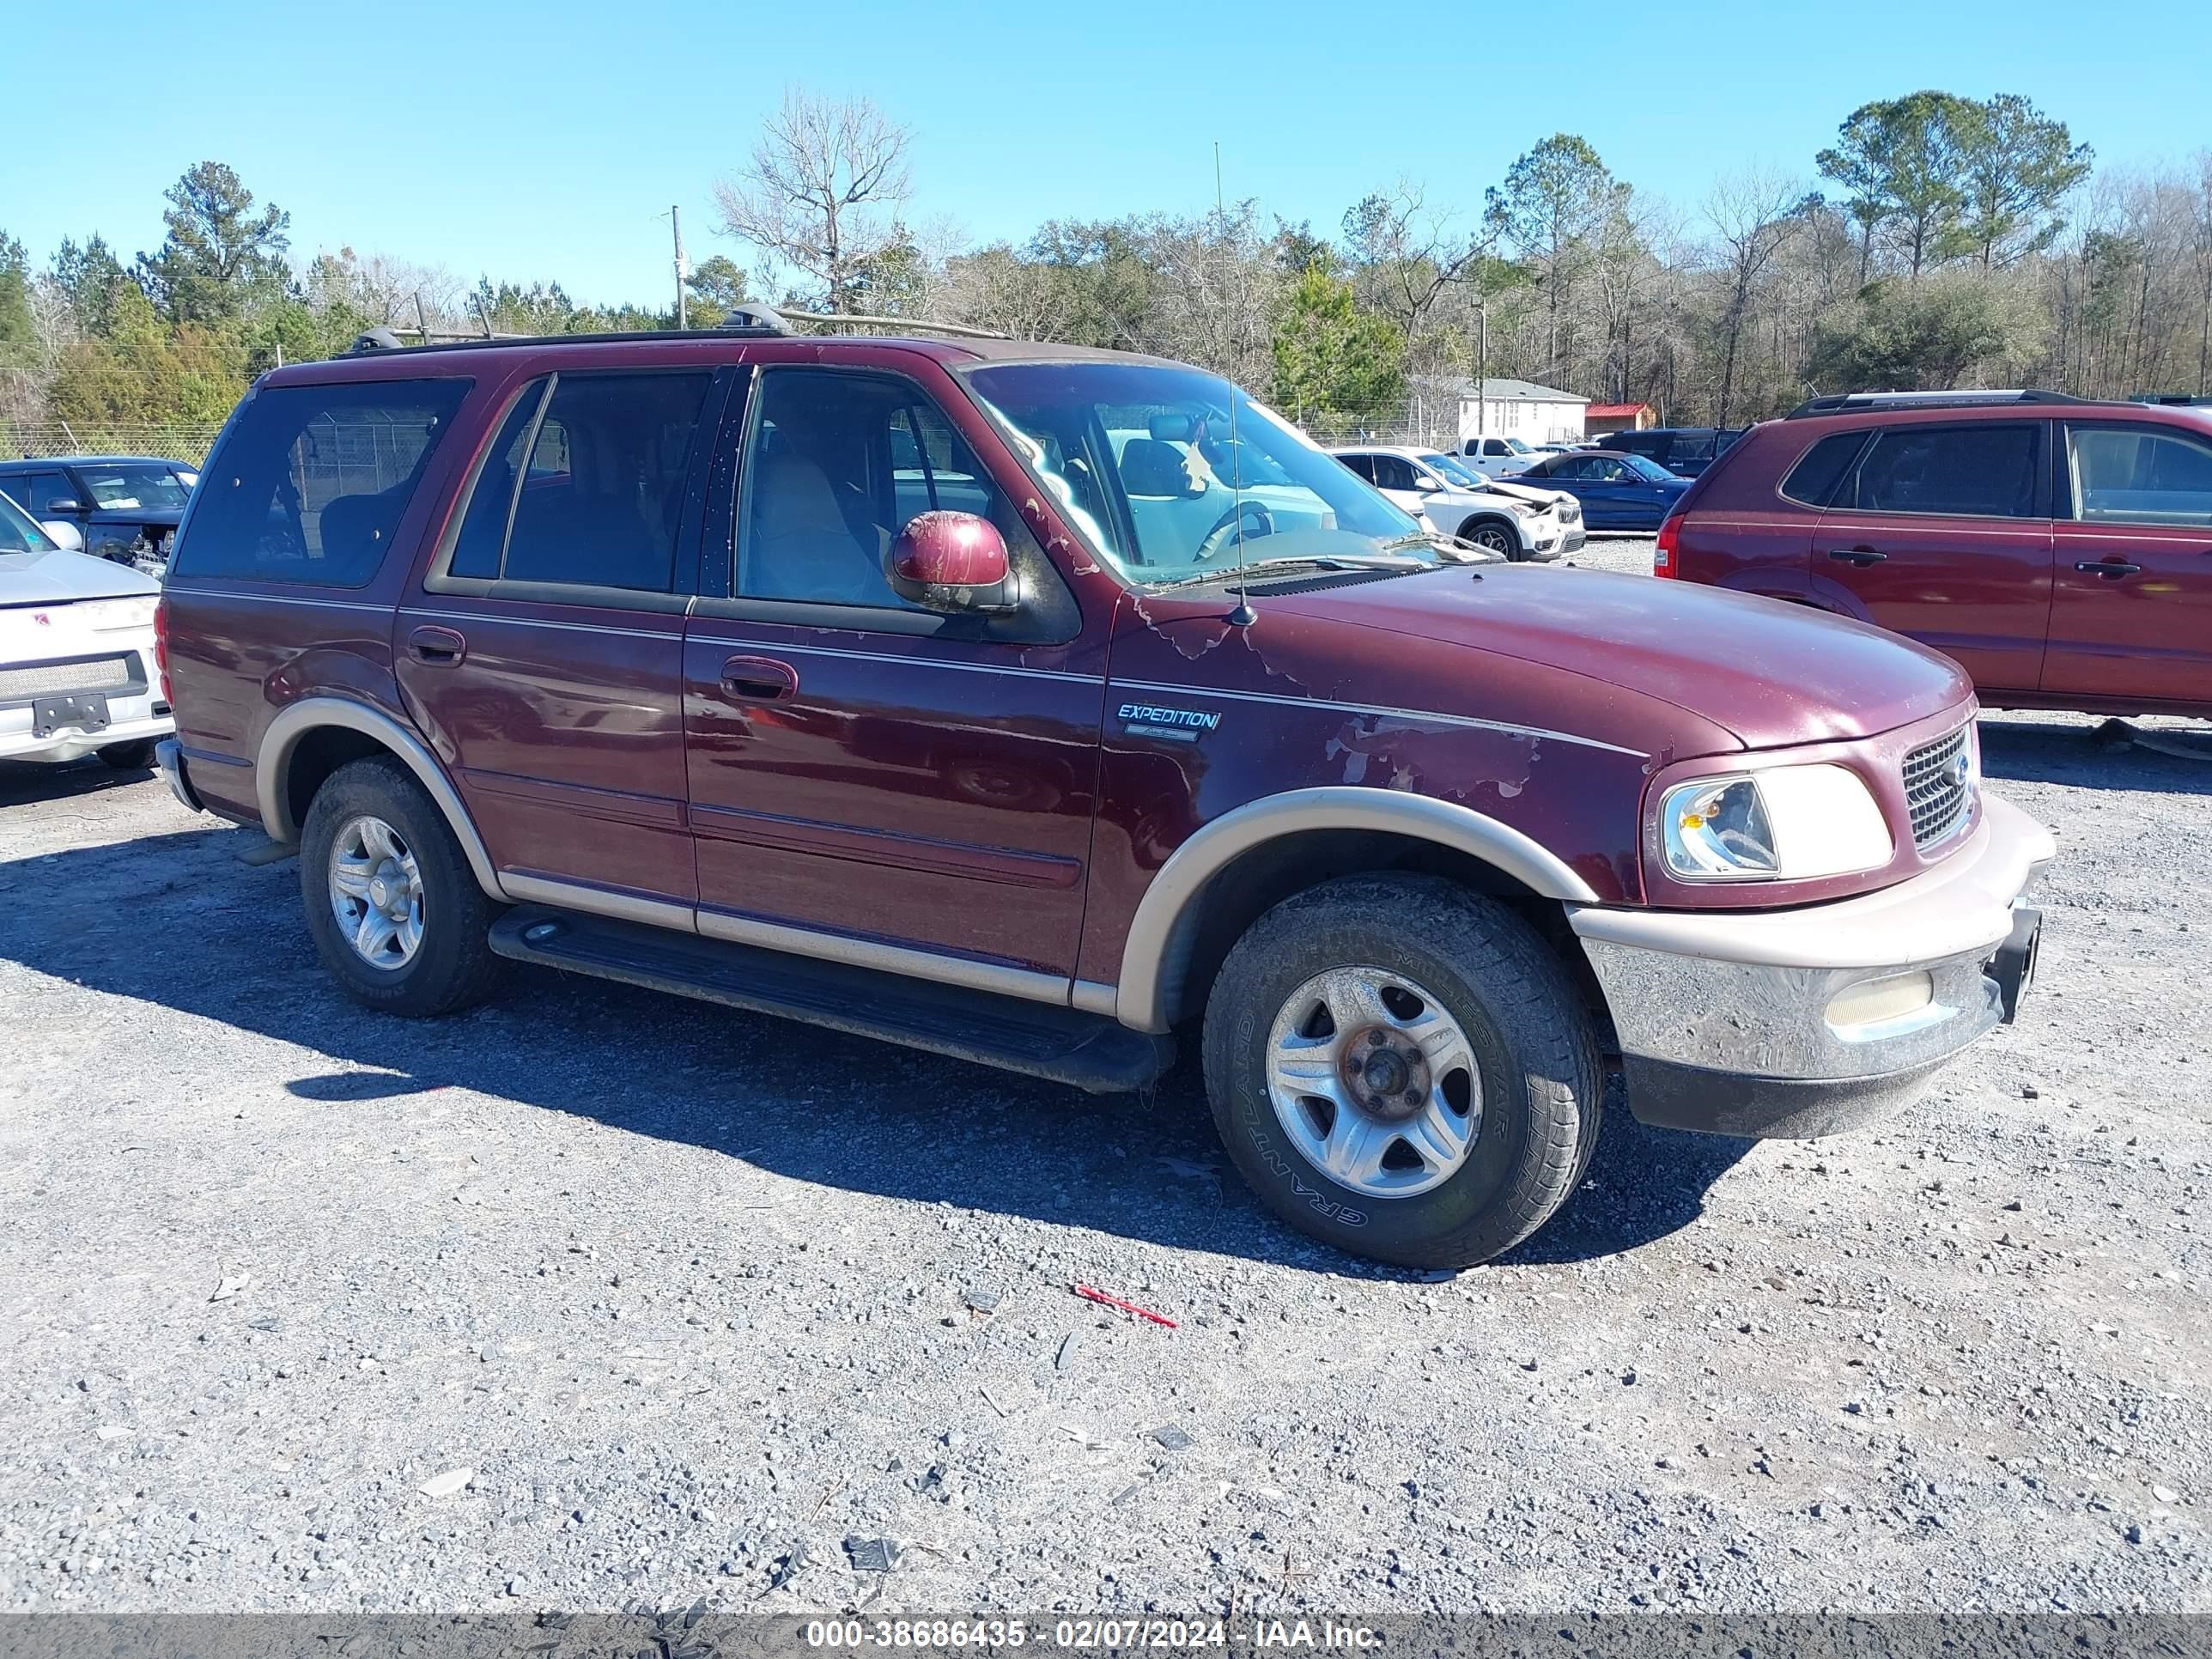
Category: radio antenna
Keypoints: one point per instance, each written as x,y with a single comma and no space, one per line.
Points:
1243,616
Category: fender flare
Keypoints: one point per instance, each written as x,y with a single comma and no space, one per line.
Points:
1140,999
295,720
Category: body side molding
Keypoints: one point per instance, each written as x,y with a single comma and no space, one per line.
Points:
295,720
1148,967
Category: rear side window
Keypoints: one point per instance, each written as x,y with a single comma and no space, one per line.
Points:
483,538
311,482
1813,481
603,493
1970,472
1361,464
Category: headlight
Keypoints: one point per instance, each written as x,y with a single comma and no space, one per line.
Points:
1785,824
135,611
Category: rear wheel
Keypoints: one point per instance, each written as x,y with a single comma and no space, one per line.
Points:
393,908
1492,537
1402,1068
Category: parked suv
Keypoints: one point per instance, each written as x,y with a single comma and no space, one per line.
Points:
122,508
1685,451
965,695
2059,550
1505,518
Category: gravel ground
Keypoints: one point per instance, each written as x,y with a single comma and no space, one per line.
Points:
701,1306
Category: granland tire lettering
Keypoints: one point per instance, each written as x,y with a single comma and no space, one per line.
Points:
1314,1200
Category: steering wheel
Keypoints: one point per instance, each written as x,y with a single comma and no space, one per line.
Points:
1263,524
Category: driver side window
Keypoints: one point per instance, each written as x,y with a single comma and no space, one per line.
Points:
1394,472
835,466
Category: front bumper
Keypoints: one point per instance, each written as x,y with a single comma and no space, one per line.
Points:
1729,1021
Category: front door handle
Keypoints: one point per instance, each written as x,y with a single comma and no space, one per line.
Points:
440,647
2111,569
759,679
1861,557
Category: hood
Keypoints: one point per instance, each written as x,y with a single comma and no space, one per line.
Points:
55,577
1770,673
1526,492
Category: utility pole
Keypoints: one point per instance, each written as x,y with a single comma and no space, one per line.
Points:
1482,365
683,307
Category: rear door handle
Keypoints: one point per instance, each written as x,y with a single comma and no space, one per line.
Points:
759,679
1861,557
440,647
2112,569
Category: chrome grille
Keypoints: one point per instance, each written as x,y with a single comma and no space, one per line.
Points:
1939,786
52,678
1571,511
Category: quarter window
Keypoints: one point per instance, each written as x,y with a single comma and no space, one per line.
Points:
481,540
1813,481
311,482
1972,472
2135,475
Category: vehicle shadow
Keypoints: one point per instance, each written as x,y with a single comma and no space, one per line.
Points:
2041,751
183,921
24,781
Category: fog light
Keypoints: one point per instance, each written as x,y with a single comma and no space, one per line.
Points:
1878,1002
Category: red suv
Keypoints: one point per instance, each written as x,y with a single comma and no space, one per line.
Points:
2059,550
1041,706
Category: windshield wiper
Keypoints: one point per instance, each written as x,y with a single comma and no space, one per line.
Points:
1340,561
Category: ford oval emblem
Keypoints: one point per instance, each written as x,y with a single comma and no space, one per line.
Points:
1962,770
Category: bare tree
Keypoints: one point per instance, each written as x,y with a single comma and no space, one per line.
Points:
1751,214
822,195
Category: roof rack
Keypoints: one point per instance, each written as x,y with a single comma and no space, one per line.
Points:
748,321
1851,402
2171,399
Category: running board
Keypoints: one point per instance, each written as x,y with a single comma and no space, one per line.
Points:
1040,1039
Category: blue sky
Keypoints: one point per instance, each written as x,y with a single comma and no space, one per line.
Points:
542,142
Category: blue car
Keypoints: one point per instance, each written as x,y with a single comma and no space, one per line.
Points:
1618,491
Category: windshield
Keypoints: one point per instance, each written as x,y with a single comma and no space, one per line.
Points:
20,532
1518,448
1140,457
1645,468
150,488
1446,468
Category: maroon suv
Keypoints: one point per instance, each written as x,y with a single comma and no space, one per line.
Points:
1038,706
2059,550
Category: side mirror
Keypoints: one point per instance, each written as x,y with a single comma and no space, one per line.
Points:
66,535
953,562
1426,486
64,504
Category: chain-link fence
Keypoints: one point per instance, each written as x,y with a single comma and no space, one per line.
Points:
1426,422
188,442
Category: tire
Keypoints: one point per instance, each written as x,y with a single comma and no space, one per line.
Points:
137,757
449,964
1525,1040
1492,536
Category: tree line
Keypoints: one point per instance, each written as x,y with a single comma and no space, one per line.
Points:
1940,241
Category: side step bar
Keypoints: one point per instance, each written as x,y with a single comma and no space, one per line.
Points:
1063,1044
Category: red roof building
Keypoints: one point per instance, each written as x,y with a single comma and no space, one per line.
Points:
1618,417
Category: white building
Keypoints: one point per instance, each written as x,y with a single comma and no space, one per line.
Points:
1516,409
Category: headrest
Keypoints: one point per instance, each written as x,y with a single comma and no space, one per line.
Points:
1150,467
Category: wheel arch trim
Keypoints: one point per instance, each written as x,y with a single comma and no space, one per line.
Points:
1175,900
296,720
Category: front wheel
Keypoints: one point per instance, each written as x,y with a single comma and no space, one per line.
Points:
1402,1068
394,909
1492,537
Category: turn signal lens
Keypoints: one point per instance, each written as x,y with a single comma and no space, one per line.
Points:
1717,830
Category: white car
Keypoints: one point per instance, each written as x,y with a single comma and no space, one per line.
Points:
1516,521
78,674
1495,457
